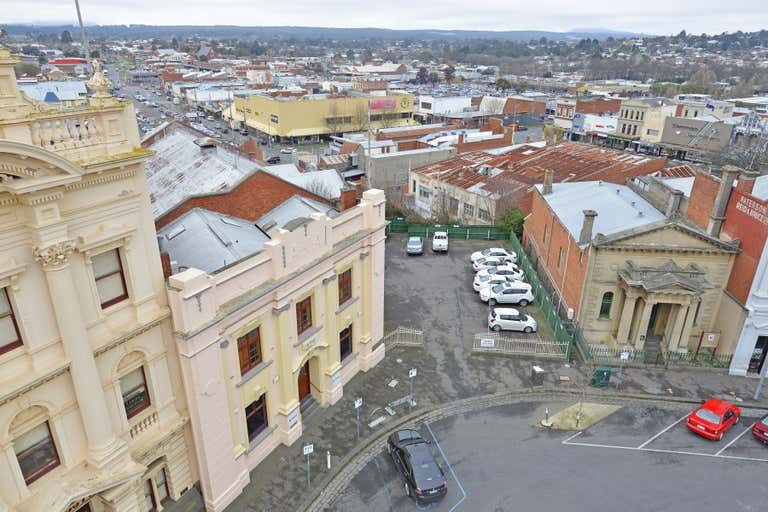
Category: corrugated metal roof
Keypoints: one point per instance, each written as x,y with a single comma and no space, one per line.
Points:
326,183
294,208
55,90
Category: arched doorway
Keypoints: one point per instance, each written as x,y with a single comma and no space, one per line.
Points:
305,386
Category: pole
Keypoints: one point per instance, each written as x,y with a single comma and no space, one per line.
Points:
328,459
760,383
357,422
82,30
410,382
308,484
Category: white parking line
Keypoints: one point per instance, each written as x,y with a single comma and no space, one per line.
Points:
735,439
662,432
450,468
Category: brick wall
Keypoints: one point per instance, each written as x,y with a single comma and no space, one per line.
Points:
520,106
598,106
481,145
254,197
746,219
702,199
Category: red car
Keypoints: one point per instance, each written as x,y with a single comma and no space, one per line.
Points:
713,418
760,429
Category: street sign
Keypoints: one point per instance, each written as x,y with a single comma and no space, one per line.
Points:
309,448
624,356
412,373
487,343
358,403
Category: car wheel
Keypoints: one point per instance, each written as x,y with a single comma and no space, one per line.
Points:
497,328
492,302
523,303
527,330
407,489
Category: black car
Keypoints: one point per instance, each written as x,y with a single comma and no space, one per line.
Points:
413,458
273,160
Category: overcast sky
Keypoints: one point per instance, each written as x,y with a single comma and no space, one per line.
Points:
647,16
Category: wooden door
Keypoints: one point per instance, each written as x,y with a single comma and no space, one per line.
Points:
304,381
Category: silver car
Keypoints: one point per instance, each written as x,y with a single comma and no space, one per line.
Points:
508,293
414,245
510,319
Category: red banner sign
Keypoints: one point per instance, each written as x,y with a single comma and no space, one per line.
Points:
382,103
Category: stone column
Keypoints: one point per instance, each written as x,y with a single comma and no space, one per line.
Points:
642,326
674,340
625,321
685,335
15,470
103,445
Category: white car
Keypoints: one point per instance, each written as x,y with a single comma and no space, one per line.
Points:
487,280
489,262
503,273
509,319
508,293
440,241
287,151
494,251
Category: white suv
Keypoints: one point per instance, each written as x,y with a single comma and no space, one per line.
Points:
493,251
509,319
496,275
508,293
489,262
440,241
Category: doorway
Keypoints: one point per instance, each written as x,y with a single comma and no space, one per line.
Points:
758,355
304,384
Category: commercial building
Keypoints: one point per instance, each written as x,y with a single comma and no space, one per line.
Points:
93,415
267,325
566,108
642,120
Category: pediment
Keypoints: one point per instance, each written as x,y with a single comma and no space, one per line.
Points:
25,168
672,235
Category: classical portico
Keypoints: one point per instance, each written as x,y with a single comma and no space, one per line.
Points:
659,305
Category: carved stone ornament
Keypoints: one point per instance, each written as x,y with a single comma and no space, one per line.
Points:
54,255
99,84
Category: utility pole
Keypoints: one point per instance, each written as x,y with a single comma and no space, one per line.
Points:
83,39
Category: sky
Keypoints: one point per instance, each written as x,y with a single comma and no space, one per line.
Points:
649,16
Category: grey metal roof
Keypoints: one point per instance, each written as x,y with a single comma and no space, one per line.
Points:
209,241
618,207
55,90
293,208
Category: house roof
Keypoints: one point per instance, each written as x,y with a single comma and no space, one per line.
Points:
209,240
65,90
294,208
326,183
679,171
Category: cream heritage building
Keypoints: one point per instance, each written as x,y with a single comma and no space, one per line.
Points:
93,415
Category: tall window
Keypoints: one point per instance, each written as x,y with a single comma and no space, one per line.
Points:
469,210
304,315
345,343
544,239
161,485
110,280
135,392
560,259
605,305
483,215
9,329
256,417
36,452
150,504
345,286
249,350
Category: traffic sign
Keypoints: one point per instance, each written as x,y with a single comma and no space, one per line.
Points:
412,373
358,403
309,448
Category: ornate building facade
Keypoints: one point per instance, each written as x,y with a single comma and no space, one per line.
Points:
93,416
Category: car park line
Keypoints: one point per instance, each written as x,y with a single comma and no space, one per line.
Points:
569,442
735,439
450,468
662,432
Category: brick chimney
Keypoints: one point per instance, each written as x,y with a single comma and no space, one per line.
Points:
549,177
587,226
730,173
348,198
165,263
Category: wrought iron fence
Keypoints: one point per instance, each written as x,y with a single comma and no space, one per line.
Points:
496,343
603,354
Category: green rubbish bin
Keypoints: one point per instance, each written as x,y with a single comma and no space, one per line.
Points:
601,377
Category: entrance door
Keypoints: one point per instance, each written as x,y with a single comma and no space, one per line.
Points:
758,355
304,381
84,508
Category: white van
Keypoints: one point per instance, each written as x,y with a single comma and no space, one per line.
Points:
440,241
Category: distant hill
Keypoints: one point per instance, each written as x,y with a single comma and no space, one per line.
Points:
307,33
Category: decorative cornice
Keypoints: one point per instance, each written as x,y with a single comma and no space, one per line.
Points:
34,384
101,179
38,199
136,332
284,307
54,256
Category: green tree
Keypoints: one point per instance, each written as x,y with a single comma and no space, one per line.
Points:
503,84
512,220
449,73
422,75
350,54
433,78
27,68
66,37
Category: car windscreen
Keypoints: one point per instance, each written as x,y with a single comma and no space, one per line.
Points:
414,242
499,287
709,416
764,421
485,252
426,472
484,278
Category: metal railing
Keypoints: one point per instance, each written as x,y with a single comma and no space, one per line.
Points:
603,354
404,337
496,343
456,232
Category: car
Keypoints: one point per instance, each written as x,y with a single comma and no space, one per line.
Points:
713,418
414,245
507,293
440,241
490,261
273,159
414,461
287,151
244,132
510,319
496,275
760,429
493,251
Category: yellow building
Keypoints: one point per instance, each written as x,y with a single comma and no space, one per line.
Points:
313,115
93,416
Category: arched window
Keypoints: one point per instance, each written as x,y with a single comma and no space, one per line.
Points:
33,443
605,305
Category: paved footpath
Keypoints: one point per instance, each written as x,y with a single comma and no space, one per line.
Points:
433,292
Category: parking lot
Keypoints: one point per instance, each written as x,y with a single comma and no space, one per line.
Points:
499,460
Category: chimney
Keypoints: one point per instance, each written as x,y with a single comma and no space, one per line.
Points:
348,198
586,228
548,178
675,200
717,217
461,139
165,262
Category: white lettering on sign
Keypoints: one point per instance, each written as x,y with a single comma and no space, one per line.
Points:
309,449
754,209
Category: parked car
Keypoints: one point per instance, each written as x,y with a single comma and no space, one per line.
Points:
412,455
414,245
490,261
273,160
760,429
287,151
510,319
494,251
508,293
440,241
713,418
244,132
487,280
496,275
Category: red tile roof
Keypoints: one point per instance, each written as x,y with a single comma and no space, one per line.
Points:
680,171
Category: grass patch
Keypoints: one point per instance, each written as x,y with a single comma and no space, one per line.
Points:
581,415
